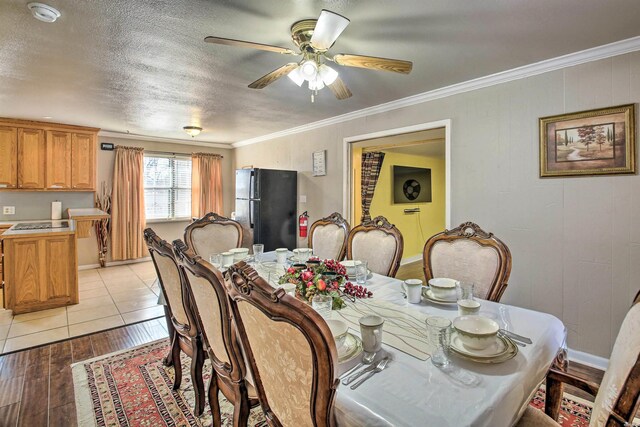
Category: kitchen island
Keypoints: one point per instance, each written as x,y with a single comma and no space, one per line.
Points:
40,265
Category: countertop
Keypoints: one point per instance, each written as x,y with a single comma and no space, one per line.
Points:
11,233
86,213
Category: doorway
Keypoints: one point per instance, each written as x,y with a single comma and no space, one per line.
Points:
413,189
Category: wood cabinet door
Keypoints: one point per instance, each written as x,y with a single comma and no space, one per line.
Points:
58,169
83,161
31,158
25,263
8,157
59,267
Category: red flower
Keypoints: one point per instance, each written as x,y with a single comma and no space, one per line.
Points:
309,284
291,270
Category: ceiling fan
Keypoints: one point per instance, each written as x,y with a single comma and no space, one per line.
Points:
314,38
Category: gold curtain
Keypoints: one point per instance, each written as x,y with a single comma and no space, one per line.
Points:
206,184
127,205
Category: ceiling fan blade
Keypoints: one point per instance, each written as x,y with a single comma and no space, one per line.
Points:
339,89
251,45
374,63
267,79
329,26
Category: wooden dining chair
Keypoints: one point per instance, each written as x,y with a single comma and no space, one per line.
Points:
213,234
469,254
617,396
290,349
183,332
378,242
328,237
212,315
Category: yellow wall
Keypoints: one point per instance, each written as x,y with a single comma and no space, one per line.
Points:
431,216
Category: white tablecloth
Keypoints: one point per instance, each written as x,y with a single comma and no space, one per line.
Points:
411,392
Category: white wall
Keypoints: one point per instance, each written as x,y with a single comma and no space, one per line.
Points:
575,242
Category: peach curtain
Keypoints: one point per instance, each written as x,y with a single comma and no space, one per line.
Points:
127,205
206,184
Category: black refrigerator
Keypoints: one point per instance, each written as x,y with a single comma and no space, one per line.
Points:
266,207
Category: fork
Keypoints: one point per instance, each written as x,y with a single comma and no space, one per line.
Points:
379,368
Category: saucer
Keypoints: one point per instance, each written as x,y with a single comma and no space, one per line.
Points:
502,350
350,349
428,294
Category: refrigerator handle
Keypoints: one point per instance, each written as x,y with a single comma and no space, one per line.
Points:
250,212
251,193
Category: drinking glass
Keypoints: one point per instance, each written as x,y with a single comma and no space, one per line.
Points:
439,335
465,291
281,255
371,333
216,260
322,304
258,250
361,272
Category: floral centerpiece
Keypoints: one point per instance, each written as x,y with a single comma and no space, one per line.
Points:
327,277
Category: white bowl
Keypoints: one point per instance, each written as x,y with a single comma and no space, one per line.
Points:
476,332
239,254
443,288
338,330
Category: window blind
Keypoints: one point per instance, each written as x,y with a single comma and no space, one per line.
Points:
167,186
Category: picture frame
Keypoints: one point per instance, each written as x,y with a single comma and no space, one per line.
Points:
319,159
588,143
411,185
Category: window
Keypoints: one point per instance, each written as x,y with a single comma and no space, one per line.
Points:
167,187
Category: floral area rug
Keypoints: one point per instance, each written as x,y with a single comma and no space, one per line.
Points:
133,388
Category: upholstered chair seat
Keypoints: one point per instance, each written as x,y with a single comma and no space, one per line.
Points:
379,243
328,237
469,254
213,234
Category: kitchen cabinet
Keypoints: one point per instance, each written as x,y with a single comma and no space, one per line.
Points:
58,167
8,157
31,158
3,228
39,156
83,161
40,271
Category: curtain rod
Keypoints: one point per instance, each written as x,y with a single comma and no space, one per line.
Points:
179,154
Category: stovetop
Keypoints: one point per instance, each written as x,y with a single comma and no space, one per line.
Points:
48,225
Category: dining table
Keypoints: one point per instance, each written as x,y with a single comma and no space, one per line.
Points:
412,391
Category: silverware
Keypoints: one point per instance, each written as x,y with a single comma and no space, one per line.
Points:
515,336
516,342
357,375
379,368
367,358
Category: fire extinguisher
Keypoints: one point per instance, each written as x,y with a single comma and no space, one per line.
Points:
303,220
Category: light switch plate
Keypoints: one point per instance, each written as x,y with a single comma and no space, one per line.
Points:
8,210
303,198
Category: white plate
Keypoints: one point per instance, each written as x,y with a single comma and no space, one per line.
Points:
499,348
350,349
428,294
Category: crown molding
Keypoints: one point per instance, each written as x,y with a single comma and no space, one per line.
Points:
569,60
122,135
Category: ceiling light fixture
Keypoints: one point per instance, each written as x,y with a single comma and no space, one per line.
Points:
192,130
44,12
296,76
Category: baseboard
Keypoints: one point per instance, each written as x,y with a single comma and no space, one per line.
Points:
114,263
411,259
588,359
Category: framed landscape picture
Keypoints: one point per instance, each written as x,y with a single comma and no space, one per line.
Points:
594,142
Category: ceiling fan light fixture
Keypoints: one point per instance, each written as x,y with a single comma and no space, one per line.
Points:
327,74
296,76
329,26
308,69
316,84
193,131
44,12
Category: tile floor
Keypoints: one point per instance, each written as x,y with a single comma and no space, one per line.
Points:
109,297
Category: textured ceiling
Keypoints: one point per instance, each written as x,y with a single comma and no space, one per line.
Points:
142,66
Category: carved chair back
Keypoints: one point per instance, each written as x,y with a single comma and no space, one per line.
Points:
170,280
328,237
469,254
617,398
211,313
213,234
378,242
290,349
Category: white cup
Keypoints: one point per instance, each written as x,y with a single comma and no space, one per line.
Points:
468,307
227,259
281,255
413,289
302,254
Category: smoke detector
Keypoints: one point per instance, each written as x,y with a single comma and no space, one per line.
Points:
44,12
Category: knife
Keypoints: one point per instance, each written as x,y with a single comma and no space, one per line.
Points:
357,375
515,336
